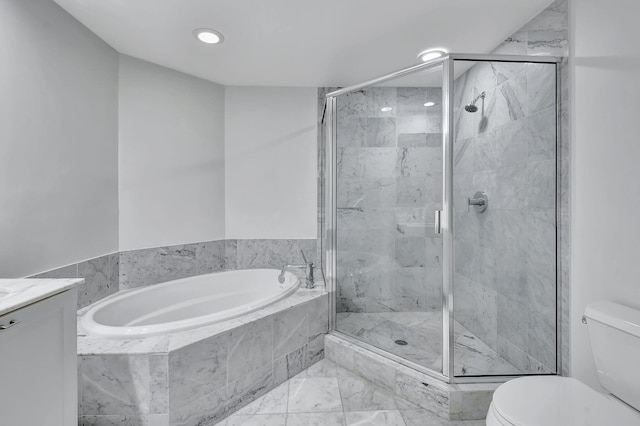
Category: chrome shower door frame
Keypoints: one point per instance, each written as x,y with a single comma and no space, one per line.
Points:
446,215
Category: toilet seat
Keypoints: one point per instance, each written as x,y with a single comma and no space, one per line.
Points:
557,401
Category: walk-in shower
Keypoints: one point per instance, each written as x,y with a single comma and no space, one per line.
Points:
422,268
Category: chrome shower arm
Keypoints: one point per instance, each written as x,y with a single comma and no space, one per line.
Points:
480,96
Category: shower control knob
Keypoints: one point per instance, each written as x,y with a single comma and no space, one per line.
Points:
480,201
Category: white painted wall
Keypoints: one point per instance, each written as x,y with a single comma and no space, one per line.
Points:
605,209
102,152
271,156
58,140
171,157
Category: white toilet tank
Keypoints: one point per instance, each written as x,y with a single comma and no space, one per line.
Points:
614,331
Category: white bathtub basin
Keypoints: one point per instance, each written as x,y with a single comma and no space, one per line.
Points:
186,303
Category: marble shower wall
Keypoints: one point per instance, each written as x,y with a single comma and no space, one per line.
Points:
389,167
505,258
106,275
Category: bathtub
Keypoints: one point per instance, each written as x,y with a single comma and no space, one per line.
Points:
186,303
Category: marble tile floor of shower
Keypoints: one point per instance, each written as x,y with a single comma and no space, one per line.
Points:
328,395
423,333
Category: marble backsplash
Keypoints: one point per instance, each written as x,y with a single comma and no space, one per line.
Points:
107,274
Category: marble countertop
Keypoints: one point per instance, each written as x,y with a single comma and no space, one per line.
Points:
17,293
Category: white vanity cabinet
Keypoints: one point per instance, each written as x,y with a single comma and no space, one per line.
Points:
38,363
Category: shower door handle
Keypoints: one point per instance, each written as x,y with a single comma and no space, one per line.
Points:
436,222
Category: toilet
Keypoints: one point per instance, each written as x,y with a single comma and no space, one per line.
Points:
614,332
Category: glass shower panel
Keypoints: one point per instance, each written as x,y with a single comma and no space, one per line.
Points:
389,184
504,229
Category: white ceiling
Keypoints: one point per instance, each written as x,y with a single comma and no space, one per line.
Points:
299,42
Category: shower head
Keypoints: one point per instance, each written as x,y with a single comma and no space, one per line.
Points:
472,106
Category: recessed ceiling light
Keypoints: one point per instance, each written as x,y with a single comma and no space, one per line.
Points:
427,55
429,104
209,36
386,109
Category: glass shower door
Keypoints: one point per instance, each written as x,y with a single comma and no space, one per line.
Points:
504,212
389,182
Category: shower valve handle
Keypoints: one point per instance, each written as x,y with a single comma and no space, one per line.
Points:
480,201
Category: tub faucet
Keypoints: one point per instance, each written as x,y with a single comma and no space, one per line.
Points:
308,269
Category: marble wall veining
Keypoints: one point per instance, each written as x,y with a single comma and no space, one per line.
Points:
159,264
389,168
154,265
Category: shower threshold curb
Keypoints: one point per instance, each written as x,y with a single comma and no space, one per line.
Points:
449,401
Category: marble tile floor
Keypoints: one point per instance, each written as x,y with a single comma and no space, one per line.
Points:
423,333
328,395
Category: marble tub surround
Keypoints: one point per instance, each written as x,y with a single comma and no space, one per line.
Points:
105,275
100,276
447,401
89,345
200,376
16,293
160,264
251,254
326,394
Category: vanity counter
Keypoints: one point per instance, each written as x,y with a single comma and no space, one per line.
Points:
16,293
